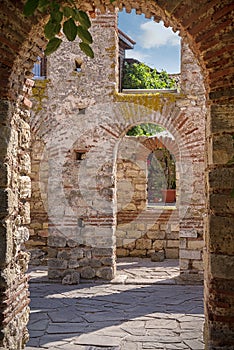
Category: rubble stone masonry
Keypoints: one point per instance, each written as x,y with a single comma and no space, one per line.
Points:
78,125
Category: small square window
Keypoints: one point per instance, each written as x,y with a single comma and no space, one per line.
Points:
80,155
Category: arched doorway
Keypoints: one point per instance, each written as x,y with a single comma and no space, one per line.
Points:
194,21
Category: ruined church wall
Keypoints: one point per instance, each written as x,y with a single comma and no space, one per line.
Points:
81,113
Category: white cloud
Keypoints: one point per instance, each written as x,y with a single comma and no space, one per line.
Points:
138,55
156,35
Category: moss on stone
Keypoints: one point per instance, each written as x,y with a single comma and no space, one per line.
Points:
39,94
154,101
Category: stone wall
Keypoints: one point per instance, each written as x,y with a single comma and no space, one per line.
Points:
80,238
82,129
15,192
38,227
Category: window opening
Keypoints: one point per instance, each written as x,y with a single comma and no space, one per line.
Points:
161,169
80,155
78,65
149,54
40,68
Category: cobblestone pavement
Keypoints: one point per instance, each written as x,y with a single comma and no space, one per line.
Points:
129,316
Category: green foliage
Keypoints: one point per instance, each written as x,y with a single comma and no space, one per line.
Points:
84,35
72,21
86,49
146,129
70,29
30,7
52,45
140,76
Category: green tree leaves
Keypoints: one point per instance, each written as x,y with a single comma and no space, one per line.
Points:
30,7
84,35
145,129
83,18
63,18
52,46
86,49
51,29
70,29
141,76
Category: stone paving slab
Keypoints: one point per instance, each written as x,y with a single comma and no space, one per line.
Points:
116,316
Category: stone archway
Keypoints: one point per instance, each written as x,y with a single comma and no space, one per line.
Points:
207,25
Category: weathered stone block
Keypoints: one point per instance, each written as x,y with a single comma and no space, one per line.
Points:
196,244
158,256
96,262
175,227
218,242
25,163
21,235
138,252
172,235
84,262
198,265
106,273
73,278
64,254
24,211
52,253
189,233
87,272
55,274
73,264
130,207
222,204
121,252
43,233
57,264
77,253
120,233
221,266
24,187
102,251
190,254
143,243
57,241
108,261
172,253
183,243
129,243
184,264
156,234
173,244
222,148
158,245
134,234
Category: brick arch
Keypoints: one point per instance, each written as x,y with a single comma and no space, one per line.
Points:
162,141
197,22
208,26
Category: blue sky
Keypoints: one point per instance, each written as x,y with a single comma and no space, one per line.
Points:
156,45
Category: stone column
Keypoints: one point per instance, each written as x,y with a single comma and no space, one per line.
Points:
219,255
192,173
